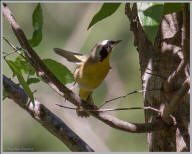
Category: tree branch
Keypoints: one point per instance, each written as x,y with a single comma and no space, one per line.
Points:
173,104
45,117
164,54
168,85
61,89
185,32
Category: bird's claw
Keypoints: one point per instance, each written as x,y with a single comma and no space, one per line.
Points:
81,113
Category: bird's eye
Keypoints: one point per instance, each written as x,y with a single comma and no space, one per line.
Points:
103,53
108,49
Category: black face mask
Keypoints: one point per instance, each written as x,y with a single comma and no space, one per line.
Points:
104,52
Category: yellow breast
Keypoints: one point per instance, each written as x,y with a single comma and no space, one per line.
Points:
90,75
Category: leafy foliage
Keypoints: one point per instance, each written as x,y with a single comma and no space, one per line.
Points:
32,80
20,78
60,71
21,66
37,26
106,10
171,7
24,66
150,16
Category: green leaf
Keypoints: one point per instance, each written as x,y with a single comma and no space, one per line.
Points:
24,66
172,7
106,10
37,26
5,95
20,78
60,71
150,16
36,39
32,80
38,17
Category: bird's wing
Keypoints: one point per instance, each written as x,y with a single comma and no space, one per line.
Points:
71,56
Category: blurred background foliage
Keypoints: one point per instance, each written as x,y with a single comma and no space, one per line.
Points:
65,26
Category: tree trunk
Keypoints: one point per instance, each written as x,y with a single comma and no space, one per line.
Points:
160,60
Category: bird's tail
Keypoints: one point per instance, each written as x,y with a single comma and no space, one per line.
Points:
85,95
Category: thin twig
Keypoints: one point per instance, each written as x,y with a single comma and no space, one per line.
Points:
116,109
123,96
11,45
16,50
66,107
119,97
129,108
7,54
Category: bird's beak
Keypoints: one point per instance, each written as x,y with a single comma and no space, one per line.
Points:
114,43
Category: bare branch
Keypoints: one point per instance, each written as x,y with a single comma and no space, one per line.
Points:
168,84
55,84
171,28
176,99
45,117
185,48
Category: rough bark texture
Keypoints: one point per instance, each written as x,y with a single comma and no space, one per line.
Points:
162,58
45,117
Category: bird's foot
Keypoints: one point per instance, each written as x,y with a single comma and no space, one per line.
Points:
81,113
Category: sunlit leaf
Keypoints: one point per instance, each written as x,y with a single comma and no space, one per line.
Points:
150,16
36,39
24,66
60,71
20,78
106,10
37,26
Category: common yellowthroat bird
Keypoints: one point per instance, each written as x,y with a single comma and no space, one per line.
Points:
92,68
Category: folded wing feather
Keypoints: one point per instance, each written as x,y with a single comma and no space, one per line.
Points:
71,56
